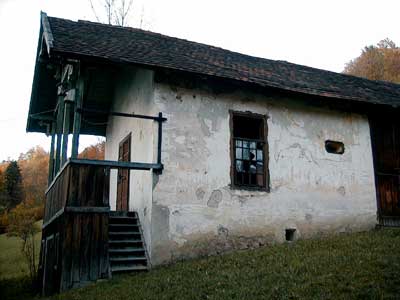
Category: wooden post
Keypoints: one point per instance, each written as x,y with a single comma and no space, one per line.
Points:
77,115
60,113
67,115
160,116
51,155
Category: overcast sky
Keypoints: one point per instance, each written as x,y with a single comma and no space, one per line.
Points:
322,34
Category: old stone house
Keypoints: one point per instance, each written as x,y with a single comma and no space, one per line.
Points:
207,150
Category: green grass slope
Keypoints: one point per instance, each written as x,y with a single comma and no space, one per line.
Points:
12,263
350,266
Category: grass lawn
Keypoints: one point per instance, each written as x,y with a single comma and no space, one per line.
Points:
350,266
12,264
13,268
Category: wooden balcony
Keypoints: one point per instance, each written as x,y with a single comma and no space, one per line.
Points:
75,228
75,233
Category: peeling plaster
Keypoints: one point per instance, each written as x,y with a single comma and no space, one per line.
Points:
215,199
195,212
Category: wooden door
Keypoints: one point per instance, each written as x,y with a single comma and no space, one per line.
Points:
124,154
385,134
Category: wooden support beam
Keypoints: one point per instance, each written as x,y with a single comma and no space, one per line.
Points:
117,164
160,117
77,115
65,130
119,114
59,118
51,155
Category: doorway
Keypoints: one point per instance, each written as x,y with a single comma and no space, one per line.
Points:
385,135
124,154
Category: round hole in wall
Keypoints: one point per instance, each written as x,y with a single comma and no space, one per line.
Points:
334,147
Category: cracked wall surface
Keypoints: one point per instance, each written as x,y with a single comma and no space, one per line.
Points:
195,210
134,94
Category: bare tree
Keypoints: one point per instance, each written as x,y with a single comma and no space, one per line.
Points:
116,11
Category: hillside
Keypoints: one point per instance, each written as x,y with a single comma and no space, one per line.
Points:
359,265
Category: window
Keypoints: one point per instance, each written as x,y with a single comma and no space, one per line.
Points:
334,147
249,161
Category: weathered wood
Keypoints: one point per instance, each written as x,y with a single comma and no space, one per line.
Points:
117,164
88,209
119,114
47,33
77,212
55,216
59,120
86,241
385,136
106,187
65,131
77,115
66,262
51,155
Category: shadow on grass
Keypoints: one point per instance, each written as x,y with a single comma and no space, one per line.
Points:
17,289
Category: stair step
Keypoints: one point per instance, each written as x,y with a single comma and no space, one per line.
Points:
126,250
124,241
128,268
128,258
123,232
123,217
126,245
123,225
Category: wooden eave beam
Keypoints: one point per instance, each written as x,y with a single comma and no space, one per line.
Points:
47,34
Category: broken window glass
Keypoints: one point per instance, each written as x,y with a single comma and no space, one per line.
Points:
249,146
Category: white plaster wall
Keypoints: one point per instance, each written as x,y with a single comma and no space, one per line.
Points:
311,190
133,94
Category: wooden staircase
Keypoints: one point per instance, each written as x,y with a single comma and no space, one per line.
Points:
127,251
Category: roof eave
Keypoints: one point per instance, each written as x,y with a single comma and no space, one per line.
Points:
45,43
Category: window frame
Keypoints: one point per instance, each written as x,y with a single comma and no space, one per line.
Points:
264,119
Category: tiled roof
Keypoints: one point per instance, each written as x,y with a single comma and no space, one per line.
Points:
123,44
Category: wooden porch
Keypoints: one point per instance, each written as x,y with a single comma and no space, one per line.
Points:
79,236
73,96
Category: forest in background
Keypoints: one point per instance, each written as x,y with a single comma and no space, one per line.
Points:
23,182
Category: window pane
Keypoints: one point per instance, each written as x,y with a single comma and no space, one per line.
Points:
259,155
252,154
246,144
239,166
260,168
246,154
253,145
239,153
260,145
238,143
252,169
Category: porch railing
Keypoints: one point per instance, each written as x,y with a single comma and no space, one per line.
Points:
75,227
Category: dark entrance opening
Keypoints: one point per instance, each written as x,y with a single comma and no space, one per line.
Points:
385,136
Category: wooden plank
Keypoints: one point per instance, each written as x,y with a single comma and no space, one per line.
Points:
103,247
95,248
76,249
87,209
119,114
77,114
60,114
117,164
65,131
106,187
86,243
66,261
51,155
51,220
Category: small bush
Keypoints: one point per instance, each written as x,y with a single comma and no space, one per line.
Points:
22,224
